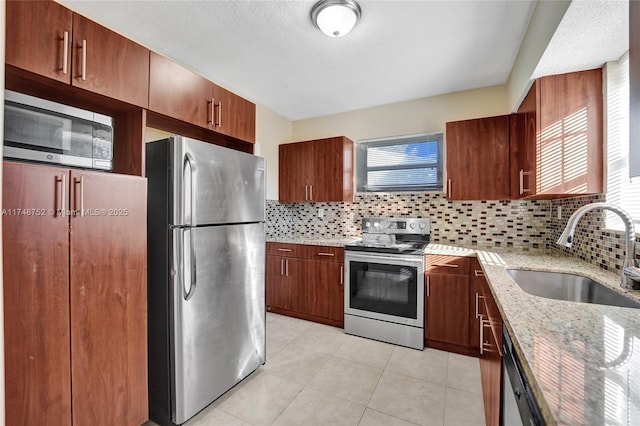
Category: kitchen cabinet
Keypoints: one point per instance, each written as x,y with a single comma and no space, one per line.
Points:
478,159
38,38
326,276
180,93
108,64
476,305
74,296
233,115
490,348
306,281
447,300
45,38
316,171
561,149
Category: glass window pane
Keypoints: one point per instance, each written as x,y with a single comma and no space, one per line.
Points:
395,155
407,177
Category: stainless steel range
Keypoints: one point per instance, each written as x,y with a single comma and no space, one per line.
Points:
384,281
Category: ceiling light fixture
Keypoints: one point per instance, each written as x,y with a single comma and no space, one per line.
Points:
336,18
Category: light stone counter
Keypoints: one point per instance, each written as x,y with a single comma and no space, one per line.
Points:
582,360
330,242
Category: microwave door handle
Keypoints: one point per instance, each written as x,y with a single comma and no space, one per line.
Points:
189,163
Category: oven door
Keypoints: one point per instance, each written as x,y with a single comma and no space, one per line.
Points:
385,287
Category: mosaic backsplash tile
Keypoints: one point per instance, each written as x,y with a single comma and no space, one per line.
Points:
482,224
527,225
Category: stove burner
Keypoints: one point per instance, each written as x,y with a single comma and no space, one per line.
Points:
393,235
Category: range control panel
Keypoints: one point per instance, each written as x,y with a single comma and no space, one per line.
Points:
396,226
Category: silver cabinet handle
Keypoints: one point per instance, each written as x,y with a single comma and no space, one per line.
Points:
191,164
484,347
306,192
428,286
59,210
310,192
446,265
65,52
449,187
522,175
219,115
84,59
341,275
478,273
326,254
287,268
478,297
285,249
213,105
80,182
281,267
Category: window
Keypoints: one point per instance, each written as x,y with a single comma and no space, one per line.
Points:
404,163
621,190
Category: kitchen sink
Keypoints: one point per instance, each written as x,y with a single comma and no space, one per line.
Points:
569,287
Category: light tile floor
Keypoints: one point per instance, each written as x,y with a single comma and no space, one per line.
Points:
317,375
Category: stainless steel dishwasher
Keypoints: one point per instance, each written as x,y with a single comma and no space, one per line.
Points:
518,405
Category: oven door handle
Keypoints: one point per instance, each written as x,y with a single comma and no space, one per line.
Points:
378,259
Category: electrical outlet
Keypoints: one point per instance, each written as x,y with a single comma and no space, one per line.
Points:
559,212
320,213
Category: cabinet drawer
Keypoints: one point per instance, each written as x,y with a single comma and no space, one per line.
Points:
452,265
287,250
326,253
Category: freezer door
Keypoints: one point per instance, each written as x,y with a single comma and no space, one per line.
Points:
215,185
218,304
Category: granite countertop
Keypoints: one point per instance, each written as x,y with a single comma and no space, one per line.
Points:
582,360
314,241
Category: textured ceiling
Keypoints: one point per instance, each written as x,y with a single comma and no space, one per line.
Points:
270,52
591,33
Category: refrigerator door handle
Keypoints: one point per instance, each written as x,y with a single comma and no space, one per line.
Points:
189,218
188,294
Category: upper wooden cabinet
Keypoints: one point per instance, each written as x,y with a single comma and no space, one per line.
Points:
478,159
107,63
561,150
38,38
45,38
316,171
180,93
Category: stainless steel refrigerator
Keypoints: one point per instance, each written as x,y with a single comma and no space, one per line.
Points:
206,271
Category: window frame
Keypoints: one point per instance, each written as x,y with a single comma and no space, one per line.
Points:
362,169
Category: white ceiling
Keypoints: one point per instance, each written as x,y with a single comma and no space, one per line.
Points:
270,52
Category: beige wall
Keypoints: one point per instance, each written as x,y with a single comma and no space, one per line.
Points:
271,130
404,118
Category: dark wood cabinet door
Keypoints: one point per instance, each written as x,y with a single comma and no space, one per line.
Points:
296,276
179,93
524,129
476,305
234,115
35,38
491,378
447,308
295,171
332,179
326,293
276,286
109,64
36,295
570,127
108,299
478,159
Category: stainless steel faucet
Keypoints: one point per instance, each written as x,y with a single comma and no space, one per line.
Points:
630,270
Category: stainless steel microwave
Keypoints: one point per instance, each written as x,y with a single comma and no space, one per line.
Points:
44,131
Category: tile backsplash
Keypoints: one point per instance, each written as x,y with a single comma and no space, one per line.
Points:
526,225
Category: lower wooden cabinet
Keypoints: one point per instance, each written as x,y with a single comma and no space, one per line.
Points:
447,308
306,282
74,296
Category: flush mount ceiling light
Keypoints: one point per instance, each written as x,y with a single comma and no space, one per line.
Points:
336,18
